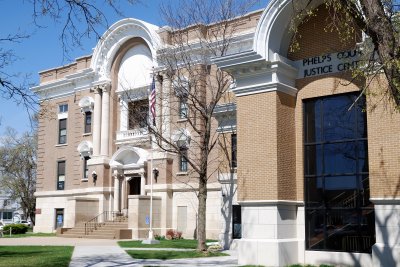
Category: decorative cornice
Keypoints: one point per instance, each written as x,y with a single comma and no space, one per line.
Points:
116,36
66,86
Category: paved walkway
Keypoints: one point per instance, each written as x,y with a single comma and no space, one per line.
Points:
107,253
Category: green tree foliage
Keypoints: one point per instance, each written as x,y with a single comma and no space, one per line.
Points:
18,169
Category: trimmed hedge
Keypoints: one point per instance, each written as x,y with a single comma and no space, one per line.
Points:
17,228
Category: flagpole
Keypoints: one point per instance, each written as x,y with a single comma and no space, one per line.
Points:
152,100
151,236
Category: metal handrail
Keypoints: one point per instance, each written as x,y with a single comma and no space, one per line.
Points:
101,219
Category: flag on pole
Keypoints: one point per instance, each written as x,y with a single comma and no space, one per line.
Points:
152,101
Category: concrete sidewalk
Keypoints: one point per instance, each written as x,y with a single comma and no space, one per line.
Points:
104,256
107,253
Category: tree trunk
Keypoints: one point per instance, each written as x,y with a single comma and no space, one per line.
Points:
201,220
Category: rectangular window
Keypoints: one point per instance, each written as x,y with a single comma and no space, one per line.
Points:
88,122
60,175
62,134
63,108
339,215
236,222
234,150
183,108
138,114
85,168
183,166
7,215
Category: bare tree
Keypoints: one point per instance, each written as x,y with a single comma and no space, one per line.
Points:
18,169
379,20
78,19
185,123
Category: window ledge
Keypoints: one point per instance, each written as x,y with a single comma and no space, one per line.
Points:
87,134
61,145
181,173
84,180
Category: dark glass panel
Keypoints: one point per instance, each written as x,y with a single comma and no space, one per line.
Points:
340,158
341,191
234,150
362,147
314,192
338,120
315,229
313,160
361,118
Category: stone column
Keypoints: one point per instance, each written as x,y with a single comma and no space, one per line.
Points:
105,120
97,122
116,192
124,196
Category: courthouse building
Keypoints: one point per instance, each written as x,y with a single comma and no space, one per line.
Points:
317,177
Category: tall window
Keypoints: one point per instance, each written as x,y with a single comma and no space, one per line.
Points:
85,168
62,131
183,108
234,150
60,175
339,215
183,165
138,114
88,122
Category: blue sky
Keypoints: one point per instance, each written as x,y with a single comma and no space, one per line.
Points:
43,49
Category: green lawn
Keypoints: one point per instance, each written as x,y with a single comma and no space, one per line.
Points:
176,243
27,256
29,234
168,254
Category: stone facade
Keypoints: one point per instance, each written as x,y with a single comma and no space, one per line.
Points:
266,108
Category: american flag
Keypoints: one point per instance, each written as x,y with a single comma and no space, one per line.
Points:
152,100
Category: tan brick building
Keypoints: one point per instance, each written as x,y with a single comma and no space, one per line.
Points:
316,179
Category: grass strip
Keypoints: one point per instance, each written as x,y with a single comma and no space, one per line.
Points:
43,256
175,243
29,234
168,254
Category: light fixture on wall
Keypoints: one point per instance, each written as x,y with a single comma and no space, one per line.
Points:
155,172
94,176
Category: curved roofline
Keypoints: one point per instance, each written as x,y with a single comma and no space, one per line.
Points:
120,32
272,34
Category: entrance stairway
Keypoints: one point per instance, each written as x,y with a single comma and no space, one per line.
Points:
102,226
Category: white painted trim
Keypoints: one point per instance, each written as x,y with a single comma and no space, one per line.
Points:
270,202
116,36
266,87
73,192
